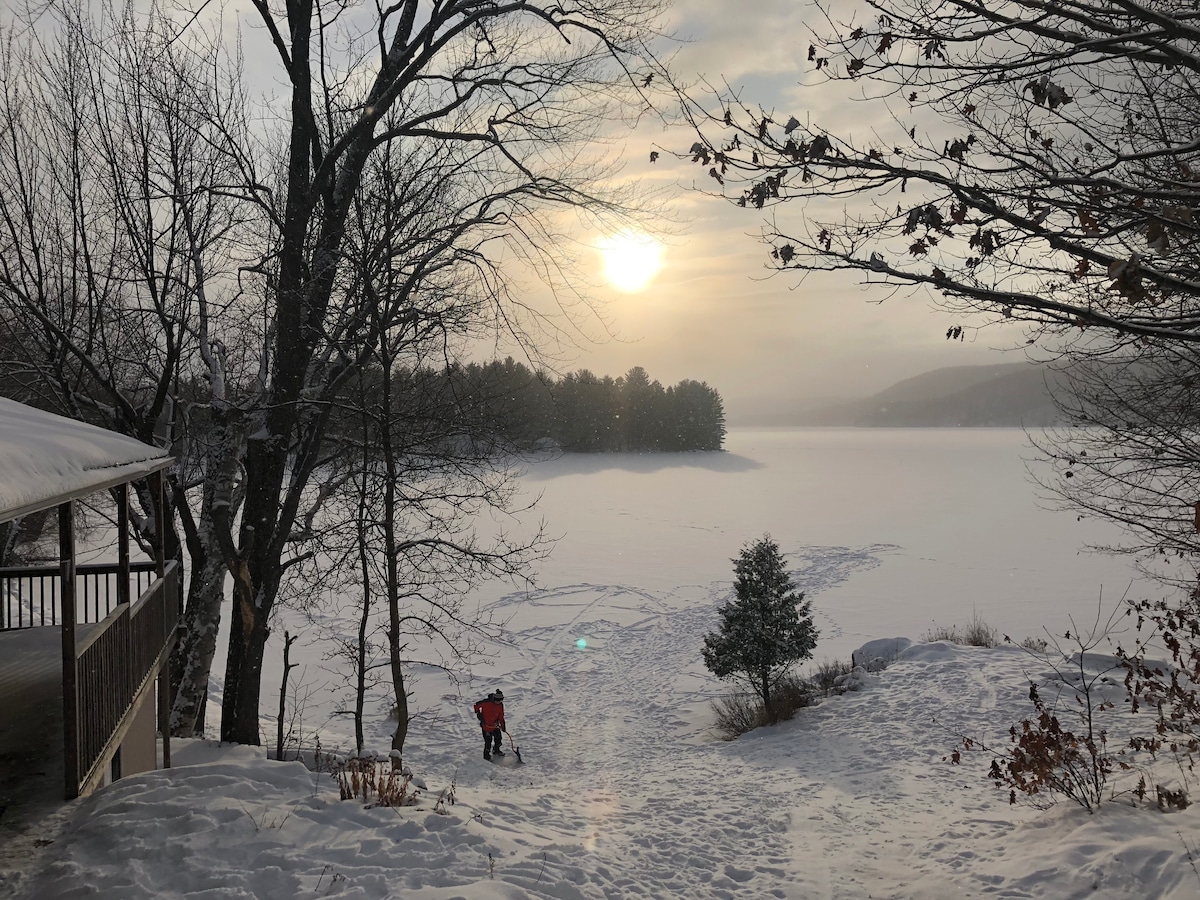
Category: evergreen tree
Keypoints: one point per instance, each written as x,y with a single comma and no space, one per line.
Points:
765,629
697,417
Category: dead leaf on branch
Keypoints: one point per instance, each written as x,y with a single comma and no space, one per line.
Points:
1157,238
819,147
958,149
784,254
1046,93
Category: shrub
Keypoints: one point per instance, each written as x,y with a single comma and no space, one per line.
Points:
374,782
825,678
1046,758
739,713
1036,645
980,634
1170,690
1062,748
791,694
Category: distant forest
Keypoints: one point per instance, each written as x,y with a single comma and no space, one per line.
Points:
586,413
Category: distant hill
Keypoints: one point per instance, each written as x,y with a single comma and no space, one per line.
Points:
1012,394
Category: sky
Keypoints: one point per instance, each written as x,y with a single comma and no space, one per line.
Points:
715,312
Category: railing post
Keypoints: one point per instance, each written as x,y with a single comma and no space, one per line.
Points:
123,595
160,560
70,672
164,714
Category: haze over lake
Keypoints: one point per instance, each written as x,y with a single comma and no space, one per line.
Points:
930,525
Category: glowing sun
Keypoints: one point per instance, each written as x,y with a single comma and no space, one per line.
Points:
631,260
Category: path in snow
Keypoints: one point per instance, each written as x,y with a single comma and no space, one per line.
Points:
597,722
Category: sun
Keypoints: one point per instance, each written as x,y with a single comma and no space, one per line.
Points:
631,260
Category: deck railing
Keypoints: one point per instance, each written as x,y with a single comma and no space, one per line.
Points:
29,596
113,667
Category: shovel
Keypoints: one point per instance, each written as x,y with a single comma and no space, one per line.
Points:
515,748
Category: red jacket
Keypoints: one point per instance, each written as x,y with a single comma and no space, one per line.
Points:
491,714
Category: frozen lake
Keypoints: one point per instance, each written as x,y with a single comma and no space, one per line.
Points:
890,530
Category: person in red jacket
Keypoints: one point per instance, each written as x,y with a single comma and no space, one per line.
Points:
490,713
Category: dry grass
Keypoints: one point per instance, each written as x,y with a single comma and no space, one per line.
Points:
825,677
372,781
977,634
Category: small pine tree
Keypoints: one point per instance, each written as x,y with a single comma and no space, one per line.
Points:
765,629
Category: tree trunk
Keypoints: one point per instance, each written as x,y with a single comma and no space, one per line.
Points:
248,634
191,663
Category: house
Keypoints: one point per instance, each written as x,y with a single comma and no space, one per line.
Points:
83,648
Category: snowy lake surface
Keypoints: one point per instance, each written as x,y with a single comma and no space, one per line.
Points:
891,532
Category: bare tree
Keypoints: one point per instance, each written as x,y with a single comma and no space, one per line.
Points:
1127,450
521,86
1039,164
223,301
118,238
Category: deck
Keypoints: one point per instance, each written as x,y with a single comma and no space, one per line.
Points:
31,731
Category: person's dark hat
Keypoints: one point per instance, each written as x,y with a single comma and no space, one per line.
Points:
498,695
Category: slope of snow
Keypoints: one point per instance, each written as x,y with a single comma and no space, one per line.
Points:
626,796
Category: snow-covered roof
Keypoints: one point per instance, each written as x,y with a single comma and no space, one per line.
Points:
46,459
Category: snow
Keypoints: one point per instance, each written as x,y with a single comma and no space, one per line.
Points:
44,457
850,799
625,791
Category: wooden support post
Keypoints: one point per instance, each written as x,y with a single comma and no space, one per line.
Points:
160,562
123,593
160,522
164,712
70,663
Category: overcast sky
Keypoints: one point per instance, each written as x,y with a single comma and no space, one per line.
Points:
715,312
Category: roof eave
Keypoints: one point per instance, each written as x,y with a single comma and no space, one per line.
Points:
114,476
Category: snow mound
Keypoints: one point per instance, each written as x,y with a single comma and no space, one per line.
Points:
877,654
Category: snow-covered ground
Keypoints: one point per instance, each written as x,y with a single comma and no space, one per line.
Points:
625,791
